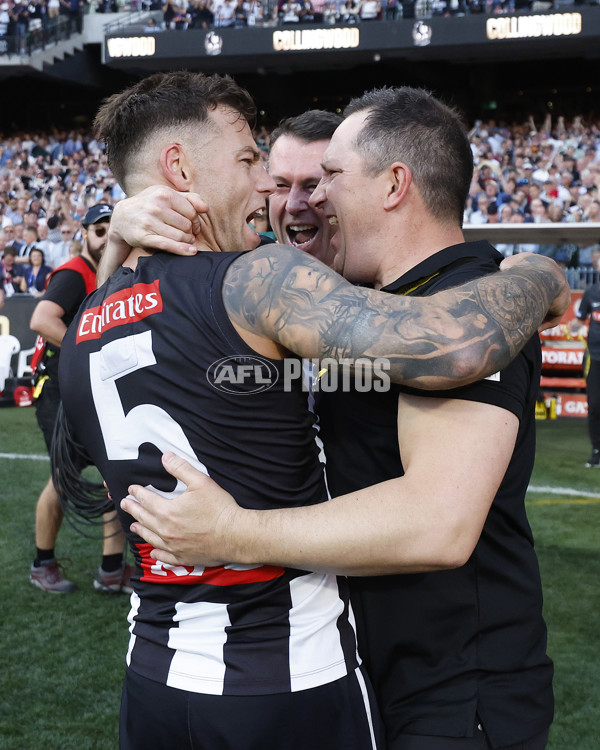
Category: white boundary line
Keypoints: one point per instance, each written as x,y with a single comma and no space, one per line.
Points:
562,491
31,456
531,488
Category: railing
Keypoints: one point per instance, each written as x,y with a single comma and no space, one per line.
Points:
550,235
51,32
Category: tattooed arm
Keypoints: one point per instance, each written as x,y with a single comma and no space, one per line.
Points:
448,339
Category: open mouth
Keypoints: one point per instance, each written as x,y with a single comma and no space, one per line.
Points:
301,234
258,214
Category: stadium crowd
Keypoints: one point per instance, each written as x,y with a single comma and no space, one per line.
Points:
24,24
545,173
208,14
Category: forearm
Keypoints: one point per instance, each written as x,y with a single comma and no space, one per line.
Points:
53,332
442,341
374,531
467,333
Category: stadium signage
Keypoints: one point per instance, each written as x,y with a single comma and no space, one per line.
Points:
132,46
313,39
523,27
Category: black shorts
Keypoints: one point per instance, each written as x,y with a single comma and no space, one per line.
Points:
46,410
338,716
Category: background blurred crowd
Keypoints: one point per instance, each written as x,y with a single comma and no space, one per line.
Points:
524,172
205,14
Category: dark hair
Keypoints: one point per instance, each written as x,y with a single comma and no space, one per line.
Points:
313,125
412,126
160,101
39,250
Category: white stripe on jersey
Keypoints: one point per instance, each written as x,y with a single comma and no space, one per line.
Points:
198,642
368,709
316,657
134,601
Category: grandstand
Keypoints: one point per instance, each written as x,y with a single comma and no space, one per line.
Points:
540,57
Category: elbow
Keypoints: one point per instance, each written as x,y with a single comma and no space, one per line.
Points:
453,544
454,555
471,363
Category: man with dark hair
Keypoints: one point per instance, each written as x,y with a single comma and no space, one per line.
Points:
12,272
297,147
456,646
66,290
143,369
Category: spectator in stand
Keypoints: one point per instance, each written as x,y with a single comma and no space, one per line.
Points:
351,11
592,213
370,10
307,13
12,273
480,215
36,273
290,12
225,15
391,9
5,21
240,19
254,12
201,15
169,14
59,252
508,190
53,9
13,233
319,10
20,14
151,26
30,238
74,11
549,192
538,211
331,13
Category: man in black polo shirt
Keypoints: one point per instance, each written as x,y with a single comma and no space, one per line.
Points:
456,647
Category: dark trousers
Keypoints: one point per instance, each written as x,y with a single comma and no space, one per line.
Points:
593,399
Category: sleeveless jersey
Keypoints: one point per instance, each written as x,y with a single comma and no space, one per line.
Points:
152,363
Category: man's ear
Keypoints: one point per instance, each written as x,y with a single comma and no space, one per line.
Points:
400,179
174,166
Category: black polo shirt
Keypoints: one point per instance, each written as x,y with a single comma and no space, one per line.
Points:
448,649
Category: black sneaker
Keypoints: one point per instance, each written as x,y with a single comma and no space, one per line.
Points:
594,461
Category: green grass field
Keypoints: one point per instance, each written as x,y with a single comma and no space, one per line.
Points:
63,656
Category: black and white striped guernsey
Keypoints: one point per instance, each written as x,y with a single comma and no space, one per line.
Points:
138,378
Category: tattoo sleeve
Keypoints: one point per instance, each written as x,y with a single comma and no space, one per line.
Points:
445,340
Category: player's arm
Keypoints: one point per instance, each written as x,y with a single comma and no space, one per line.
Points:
158,218
47,322
455,454
451,338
